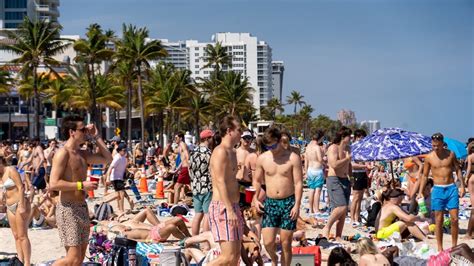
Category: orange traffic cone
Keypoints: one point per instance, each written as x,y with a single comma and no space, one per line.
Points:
90,193
143,185
160,194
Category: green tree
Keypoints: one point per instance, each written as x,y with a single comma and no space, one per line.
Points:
216,56
295,98
139,51
233,95
35,43
198,109
270,110
304,118
91,52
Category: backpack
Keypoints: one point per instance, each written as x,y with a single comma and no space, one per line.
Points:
180,209
103,211
373,212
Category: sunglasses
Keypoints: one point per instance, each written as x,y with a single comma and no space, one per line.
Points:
437,137
247,138
271,147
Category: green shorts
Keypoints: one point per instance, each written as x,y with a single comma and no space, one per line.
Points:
277,213
201,202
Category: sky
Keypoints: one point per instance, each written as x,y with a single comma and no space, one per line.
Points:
408,64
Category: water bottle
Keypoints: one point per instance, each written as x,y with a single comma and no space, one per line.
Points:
132,257
422,209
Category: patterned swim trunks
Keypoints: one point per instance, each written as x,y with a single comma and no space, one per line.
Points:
73,223
277,213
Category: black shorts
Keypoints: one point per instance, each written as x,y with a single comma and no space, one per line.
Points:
361,181
119,185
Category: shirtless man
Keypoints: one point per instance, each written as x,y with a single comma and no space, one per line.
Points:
38,164
242,153
337,182
225,218
445,195
49,154
386,226
183,168
282,172
67,176
314,169
361,182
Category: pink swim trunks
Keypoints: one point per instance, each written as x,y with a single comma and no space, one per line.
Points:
220,227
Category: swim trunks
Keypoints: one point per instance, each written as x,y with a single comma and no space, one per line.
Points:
183,177
339,191
73,223
315,178
276,213
219,224
387,231
360,180
444,197
155,233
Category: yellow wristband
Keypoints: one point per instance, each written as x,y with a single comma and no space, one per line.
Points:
79,185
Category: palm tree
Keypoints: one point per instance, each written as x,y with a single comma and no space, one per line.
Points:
274,106
167,86
217,57
123,73
35,43
57,93
233,96
92,51
295,98
305,117
197,109
5,87
136,49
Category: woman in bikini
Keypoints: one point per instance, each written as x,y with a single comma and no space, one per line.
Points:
18,209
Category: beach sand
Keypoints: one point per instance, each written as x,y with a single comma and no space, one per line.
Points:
46,246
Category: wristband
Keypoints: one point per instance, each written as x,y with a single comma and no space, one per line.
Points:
79,185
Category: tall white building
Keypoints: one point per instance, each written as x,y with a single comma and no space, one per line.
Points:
372,125
250,57
278,70
12,12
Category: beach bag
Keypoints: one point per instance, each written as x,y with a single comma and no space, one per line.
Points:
311,250
14,261
120,251
373,212
103,211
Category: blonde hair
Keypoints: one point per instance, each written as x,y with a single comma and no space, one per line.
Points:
366,246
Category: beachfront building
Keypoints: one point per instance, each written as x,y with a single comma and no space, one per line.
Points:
12,12
250,57
346,117
278,70
371,125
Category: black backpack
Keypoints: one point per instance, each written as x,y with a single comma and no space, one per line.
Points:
373,212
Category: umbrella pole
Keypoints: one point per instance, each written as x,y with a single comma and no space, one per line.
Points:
393,176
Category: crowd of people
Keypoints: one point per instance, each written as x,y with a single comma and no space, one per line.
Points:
246,191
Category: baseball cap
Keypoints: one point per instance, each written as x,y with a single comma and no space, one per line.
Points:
121,147
247,134
206,133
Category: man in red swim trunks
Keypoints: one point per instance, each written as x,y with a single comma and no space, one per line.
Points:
183,167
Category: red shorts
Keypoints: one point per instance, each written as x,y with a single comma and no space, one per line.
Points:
183,177
220,227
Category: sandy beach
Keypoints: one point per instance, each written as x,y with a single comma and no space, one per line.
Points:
46,247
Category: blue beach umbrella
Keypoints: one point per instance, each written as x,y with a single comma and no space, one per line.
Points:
457,147
390,144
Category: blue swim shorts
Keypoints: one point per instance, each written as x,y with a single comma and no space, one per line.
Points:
315,178
444,197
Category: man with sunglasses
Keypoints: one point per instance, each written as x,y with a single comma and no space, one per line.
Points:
281,170
68,175
445,194
242,152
